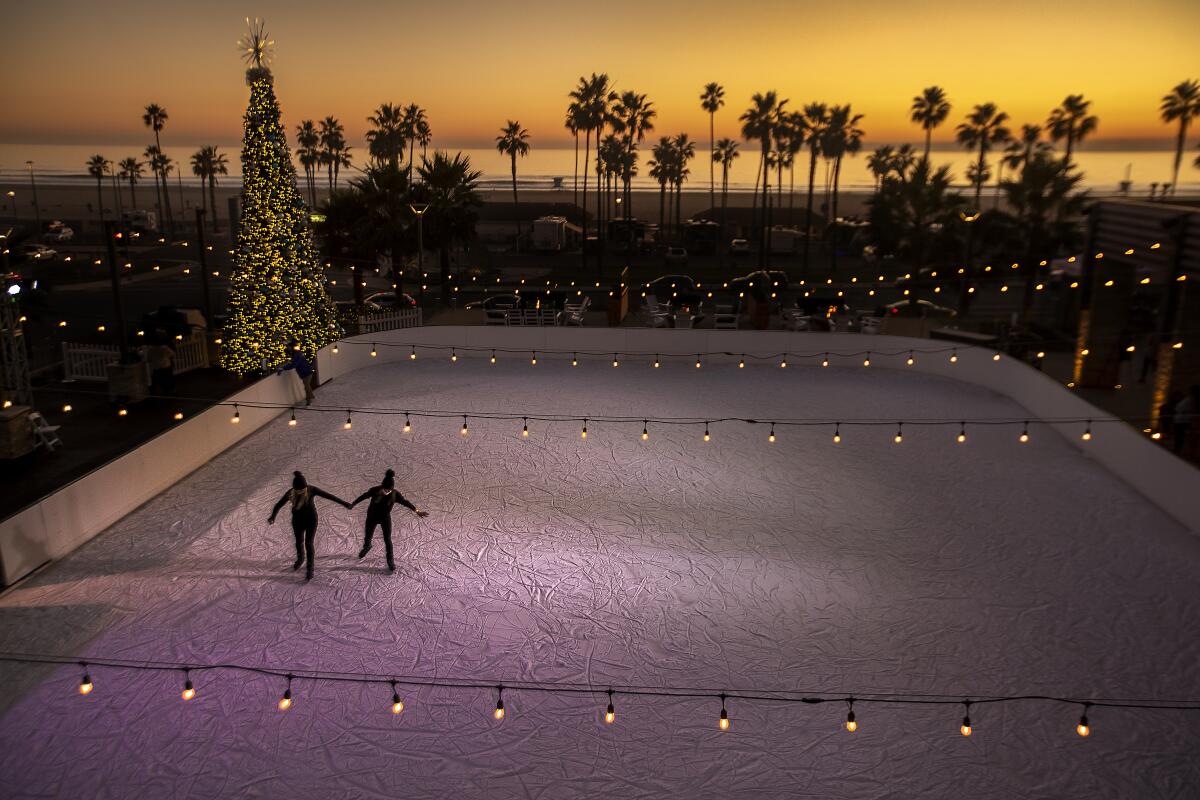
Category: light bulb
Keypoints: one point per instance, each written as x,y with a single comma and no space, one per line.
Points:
583,433
1087,433
954,356
499,712
533,359
125,412
285,702
178,415
292,421
1083,729
524,428
723,721
783,362
742,363
237,415
837,433
867,360
851,724
453,355
374,352
493,356
910,360
645,431
825,360
656,362
85,683
1024,437
347,424
771,435
707,437
335,348
189,691
962,433
407,424
574,360
616,362
610,713
995,356
464,427
412,354
965,728
67,408
397,704
899,433
697,361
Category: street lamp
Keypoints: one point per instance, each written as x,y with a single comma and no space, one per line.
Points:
419,209
37,210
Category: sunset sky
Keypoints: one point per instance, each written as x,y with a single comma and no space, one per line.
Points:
80,72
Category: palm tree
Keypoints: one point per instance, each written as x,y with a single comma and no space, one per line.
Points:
153,155
724,154
424,134
591,96
411,127
448,185
930,109
207,164
911,206
880,163
308,140
1047,204
1019,151
843,137
758,123
684,151
1070,121
155,118
815,121
385,141
201,166
97,166
513,141
572,123
371,218
1183,104
335,153
983,129
660,170
633,117
131,170
711,101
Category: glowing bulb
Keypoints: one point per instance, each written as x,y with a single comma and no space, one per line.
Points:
867,361
1087,433
1083,729
995,356
335,348
285,702
189,691
66,408
783,363
837,433
493,356
412,354
723,721
464,427
851,724
771,435
178,415
453,355
742,362
374,352
645,431
610,713
348,424
1024,437
397,704
237,416
910,361
899,433
407,424
656,362
124,413
707,437
292,421
524,428
954,356
697,361
499,712
533,360
583,433
965,729
85,683
574,360
616,362
825,361
962,433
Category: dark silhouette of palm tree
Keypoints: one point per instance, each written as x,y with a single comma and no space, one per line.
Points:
201,166
983,129
448,185
153,157
335,153
308,141
207,164
414,125
155,118
1183,104
385,141
632,117
724,153
131,170
913,202
684,151
929,110
572,123
660,169
1071,122
1020,150
842,138
758,124
370,218
711,100
880,164
513,141
814,121
97,166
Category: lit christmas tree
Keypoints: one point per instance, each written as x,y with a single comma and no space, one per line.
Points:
278,287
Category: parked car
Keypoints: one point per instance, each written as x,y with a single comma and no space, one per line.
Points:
676,256
496,301
38,252
739,247
387,301
922,309
61,234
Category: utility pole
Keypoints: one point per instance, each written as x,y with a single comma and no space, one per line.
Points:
203,269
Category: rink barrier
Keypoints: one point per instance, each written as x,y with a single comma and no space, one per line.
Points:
1167,481
60,522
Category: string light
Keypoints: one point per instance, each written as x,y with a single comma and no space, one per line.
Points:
707,437
610,713
645,430
899,433
837,433
493,356
867,360
583,433
412,354
237,415
1083,729
1024,437
574,360
1087,432
533,358
189,691
285,702
453,355
783,362
524,428
335,348
656,361
499,712
742,362
292,421
124,412
407,423
67,408
771,435
374,352
348,424
178,415
697,361
723,722
851,724
397,704
85,683
464,427
965,728
954,356
962,433
616,363
910,361
995,356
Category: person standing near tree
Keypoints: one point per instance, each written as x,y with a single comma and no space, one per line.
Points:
304,518
384,498
304,371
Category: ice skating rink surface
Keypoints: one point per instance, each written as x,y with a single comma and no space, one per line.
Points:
987,568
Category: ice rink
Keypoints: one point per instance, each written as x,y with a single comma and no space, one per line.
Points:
987,568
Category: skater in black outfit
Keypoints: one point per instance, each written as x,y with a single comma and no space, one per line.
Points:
379,512
304,518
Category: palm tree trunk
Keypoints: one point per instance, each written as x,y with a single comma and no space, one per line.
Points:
587,141
165,186
662,199
1180,143
117,194
812,174
100,196
712,149
833,216
212,201
764,235
132,192
162,220
516,207
928,141
575,174
979,177
754,201
678,207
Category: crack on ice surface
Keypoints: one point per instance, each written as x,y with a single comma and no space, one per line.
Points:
985,568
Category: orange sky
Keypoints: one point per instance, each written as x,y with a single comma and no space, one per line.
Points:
84,70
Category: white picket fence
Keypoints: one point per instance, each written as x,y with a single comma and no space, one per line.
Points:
390,320
89,362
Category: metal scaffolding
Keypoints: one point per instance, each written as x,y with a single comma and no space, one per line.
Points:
14,363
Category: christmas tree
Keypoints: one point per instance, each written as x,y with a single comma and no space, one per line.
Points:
278,292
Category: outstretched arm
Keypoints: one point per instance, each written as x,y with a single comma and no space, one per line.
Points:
322,493
402,500
365,495
274,511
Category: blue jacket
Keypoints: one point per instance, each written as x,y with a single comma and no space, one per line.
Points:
301,364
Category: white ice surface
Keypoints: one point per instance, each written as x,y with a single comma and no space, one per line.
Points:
977,569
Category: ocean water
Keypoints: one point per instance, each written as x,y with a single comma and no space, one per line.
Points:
1103,169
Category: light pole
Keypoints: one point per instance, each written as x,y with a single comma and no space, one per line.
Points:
37,210
419,209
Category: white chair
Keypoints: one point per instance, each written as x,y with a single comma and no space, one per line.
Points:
573,312
512,317
47,435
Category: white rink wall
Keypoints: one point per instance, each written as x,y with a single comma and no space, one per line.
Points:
1165,480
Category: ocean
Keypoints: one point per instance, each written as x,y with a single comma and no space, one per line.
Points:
1103,170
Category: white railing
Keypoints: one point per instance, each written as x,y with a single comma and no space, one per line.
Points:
390,320
89,362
